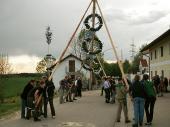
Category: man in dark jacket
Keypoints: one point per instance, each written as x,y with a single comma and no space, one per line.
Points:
24,95
79,87
49,95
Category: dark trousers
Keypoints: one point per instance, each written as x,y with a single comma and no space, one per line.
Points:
50,100
149,108
79,92
107,95
23,106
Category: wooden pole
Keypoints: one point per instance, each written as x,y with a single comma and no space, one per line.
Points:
91,61
113,47
63,53
101,65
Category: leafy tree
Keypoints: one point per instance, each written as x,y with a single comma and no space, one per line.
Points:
41,66
126,66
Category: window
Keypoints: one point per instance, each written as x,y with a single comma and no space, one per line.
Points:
71,65
155,54
162,51
151,55
155,72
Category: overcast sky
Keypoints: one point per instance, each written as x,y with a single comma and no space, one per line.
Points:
23,24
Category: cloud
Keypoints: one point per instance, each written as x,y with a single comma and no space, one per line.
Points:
24,63
135,17
150,17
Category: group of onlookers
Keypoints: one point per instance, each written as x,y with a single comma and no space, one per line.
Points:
161,84
142,93
70,88
35,98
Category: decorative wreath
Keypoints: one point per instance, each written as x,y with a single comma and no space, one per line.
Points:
96,51
86,65
86,22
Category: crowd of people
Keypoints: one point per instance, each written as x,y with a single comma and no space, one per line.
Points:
70,88
143,94
35,97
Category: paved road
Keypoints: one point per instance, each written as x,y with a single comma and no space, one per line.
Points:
91,111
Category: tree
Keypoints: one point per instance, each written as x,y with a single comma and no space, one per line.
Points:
41,66
5,66
126,66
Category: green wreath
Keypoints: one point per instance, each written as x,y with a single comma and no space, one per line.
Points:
86,22
98,50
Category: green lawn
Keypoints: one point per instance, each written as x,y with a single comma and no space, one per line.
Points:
13,86
7,108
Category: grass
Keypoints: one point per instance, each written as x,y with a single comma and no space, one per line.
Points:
13,86
8,108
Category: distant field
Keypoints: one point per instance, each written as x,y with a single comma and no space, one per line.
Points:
13,86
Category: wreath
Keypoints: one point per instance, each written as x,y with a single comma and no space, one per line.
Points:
96,51
86,66
86,22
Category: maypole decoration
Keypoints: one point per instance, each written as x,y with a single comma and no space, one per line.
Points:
49,58
92,29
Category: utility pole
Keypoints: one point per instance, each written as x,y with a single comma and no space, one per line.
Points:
132,51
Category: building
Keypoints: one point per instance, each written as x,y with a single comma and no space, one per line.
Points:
143,66
159,55
70,65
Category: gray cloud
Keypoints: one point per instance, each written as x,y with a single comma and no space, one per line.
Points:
134,18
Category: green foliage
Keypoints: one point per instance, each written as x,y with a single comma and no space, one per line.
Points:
112,69
126,66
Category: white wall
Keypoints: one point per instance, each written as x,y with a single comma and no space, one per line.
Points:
61,70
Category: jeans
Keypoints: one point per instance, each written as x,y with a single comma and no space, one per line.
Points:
139,110
23,106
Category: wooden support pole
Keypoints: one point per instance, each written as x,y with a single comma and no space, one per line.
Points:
113,47
101,65
63,53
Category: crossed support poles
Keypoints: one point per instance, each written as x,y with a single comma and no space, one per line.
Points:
109,35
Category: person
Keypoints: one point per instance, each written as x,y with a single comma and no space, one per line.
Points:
79,87
62,89
69,85
112,90
161,87
34,101
106,86
49,92
150,98
156,81
24,94
166,84
121,92
137,93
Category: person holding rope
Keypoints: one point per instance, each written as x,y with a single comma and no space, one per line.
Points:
48,97
34,101
121,91
69,86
